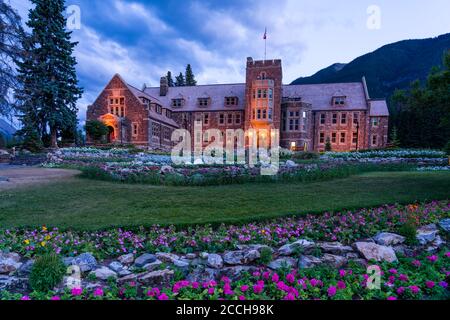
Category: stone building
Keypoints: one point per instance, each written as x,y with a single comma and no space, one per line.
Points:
307,115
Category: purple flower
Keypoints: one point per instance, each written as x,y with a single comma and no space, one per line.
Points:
331,291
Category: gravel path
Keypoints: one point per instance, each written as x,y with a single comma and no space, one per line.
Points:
16,176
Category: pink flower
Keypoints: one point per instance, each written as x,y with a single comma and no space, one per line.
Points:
55,298
195,285
414,289
429,284
331,291
290,278
391,298
403,277
393,271
416,263
25,298
275,278
342,273
241,298
432,258
400,290
289,297
244,288
211,291
77,292
443,284
98,292
258,289
163,297
447,254
341,285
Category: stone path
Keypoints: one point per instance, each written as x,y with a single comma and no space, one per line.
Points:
17,176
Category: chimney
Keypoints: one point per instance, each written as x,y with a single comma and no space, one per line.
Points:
163,87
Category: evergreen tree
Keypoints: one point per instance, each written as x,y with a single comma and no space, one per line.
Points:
170,79
11,34
190,78
328,145
179,80
47,73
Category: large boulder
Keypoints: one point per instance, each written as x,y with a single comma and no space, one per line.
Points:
144,259
167,257
86,262
282,263
299,245
445,224
104,273
116,266
334,260
214,261
9,262
126,258
334,247
306,262
373,251
241,257
427,234
388,239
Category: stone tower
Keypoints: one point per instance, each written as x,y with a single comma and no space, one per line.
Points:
263,94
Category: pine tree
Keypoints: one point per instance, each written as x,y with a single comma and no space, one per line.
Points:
179,80
170,79
47,73
190,78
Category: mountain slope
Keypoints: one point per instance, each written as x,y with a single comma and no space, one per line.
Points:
393,66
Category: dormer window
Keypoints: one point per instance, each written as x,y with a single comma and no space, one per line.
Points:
338,101
203,102
231,101
177,102
158,109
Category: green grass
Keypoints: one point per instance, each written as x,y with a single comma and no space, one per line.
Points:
88,204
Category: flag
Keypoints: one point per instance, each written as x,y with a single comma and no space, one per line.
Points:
265,34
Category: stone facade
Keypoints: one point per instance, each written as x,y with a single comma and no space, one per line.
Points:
307,115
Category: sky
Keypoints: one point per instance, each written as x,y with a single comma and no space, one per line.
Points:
143,39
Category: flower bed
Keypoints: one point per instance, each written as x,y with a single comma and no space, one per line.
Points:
422,277
344,226
399,154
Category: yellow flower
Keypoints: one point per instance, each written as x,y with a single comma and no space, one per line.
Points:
47,237
44,229
43,243
27,242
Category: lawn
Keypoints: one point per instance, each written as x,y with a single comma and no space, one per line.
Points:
87,204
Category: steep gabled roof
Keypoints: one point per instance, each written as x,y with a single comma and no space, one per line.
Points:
378,108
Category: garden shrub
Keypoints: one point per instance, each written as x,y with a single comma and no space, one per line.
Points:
305,156
447,149
96,129
409,231
266,256
47,272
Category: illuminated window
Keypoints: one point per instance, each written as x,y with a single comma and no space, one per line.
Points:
117,106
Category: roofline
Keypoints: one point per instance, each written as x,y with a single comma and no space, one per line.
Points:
204,85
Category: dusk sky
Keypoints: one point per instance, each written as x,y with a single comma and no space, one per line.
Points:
141,40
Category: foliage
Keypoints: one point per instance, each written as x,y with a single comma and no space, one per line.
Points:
190,78
170,79
266,256
401,154
180,81
47,272
49,86
447,148
328,145
11,34
424,119
409,231
395,141
96,129
31,141
305,156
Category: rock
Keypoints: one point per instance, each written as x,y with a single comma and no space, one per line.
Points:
240,257
191,256
123,273
25,268
291,164
116,266
388,239
202,274
86,262
306,262
427,234
4,179
126,258
104,273
166,170
153,265
258,247
9,262
373,251
235,272
334,247
334,260
352,256
445,224
435,245
144,259
282,263
167,257
214,261
204,255
128,278
160,278
181,264
13,284
300,245
67,261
